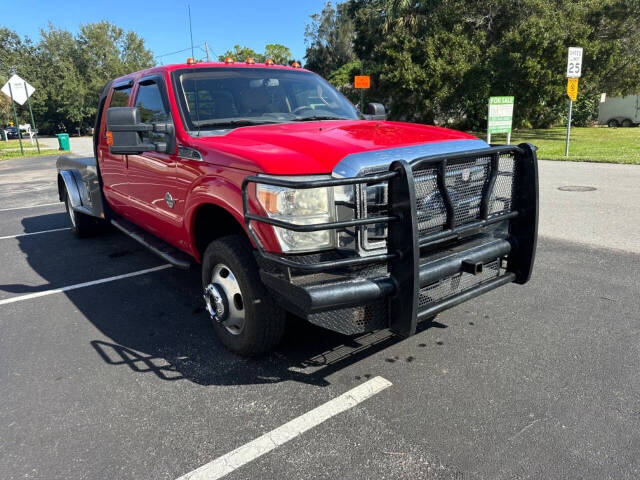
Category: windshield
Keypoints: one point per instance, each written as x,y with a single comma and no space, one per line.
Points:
214,100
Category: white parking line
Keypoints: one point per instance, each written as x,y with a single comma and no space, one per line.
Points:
226,464
30,206
34,233
81,285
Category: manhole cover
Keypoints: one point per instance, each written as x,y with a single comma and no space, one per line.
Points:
577,188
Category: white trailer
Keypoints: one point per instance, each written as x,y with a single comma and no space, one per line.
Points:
620,111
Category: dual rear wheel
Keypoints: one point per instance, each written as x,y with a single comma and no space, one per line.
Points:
81,225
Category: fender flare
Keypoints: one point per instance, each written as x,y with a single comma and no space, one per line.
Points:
73,184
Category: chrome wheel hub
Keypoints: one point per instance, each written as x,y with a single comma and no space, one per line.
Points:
223,299
214,302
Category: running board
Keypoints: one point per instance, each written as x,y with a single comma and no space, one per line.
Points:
161,248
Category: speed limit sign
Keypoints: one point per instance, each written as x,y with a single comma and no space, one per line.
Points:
574,62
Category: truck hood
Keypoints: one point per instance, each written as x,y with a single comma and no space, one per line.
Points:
315,147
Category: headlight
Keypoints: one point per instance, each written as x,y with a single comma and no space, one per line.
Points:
304,206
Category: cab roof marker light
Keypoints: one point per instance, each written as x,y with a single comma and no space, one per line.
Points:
190,61
228,60
269,62
296,65
250,61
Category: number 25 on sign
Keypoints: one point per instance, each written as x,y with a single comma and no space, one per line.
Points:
572,88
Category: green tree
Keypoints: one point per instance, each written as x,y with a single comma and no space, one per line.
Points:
69,72
439,61
16,56
63,95
342,79
330,39
240,54
280,54
105,51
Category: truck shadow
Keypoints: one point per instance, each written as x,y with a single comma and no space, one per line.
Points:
155,324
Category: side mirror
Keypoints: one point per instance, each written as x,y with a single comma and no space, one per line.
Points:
124,128
375,111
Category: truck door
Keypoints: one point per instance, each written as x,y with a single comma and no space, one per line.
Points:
113,166
151,175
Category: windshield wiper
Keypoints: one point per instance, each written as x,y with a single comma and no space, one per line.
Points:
319,117
232,123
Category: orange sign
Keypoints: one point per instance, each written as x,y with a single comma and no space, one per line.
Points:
362,81
572,88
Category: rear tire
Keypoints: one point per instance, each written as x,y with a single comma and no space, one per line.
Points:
244,316
613,123
627,123
81,225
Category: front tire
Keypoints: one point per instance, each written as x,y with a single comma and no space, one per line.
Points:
245,318
613,123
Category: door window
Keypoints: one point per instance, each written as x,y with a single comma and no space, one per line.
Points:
152,108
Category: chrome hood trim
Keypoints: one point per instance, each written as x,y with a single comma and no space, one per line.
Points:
358,164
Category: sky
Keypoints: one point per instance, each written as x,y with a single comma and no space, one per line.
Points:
164,25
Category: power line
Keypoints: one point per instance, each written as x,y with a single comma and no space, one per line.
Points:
178,51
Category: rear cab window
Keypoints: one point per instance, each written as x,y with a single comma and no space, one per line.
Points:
120,97
121,94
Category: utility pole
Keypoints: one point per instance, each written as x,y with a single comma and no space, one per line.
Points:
206,49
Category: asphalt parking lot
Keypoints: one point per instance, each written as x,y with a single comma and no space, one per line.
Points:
124,379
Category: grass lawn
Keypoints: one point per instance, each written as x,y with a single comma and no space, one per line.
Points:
11,149
588,144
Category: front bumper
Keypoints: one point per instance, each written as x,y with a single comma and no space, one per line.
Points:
421,274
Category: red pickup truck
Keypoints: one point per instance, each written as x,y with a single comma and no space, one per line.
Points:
294,201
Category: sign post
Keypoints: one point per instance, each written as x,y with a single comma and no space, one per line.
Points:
574,71
500,117
33,122
15,118
19,91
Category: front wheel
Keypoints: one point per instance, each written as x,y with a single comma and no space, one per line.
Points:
613,123
245,318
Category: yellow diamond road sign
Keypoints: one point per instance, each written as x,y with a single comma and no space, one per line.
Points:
572,88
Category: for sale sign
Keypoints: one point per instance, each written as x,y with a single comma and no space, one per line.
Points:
500,114
362,81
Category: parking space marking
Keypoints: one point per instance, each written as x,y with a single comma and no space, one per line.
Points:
29,296
233,460
30,206
34,233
